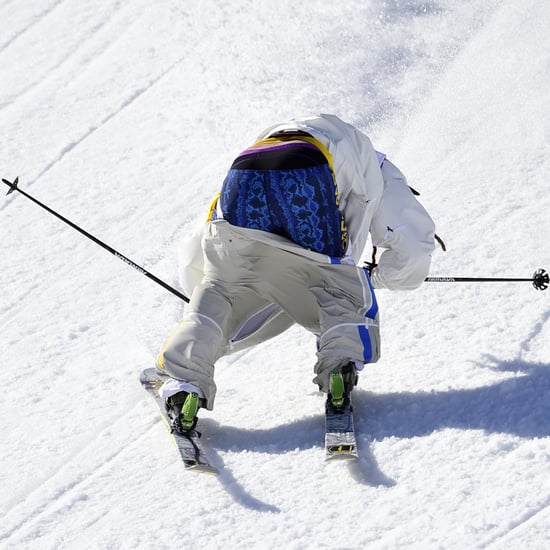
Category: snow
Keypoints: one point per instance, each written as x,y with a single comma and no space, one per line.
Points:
124,117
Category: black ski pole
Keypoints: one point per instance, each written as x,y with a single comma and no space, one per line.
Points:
14,187
540,279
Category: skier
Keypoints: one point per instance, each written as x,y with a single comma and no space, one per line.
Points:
283,244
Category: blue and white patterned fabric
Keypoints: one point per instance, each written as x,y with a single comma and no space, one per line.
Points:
287,189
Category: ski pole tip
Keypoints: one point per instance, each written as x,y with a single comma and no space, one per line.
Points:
12,185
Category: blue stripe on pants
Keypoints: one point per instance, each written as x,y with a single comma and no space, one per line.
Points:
367,346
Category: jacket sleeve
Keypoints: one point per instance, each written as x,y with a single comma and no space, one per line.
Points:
190,259
405,230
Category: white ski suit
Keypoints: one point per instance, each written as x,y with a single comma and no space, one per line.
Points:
248,285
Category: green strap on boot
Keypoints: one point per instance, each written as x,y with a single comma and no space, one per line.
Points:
188,415
337,389
341,383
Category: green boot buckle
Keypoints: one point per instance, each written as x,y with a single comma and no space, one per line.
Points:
188,415
337,389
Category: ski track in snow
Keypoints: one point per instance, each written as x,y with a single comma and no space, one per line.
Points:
28,27
62,489
127,102
134,96
60,64
126,116
525,521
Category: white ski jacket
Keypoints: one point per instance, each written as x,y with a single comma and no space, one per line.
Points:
374,198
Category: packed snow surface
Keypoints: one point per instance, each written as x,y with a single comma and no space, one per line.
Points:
124,117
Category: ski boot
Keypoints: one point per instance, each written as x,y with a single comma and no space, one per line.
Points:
182,410
341,383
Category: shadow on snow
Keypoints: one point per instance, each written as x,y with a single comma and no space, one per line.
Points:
517,405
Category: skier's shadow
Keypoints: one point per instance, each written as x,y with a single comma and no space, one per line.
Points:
518,405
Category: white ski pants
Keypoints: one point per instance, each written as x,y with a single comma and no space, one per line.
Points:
255,286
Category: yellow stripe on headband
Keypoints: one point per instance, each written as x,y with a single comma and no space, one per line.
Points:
309,139
326,153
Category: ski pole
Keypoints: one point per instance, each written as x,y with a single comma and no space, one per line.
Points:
14,187
540,279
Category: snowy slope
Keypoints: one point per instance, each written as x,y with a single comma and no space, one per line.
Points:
124,117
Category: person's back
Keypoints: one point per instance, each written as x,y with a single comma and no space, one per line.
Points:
285,186
282,245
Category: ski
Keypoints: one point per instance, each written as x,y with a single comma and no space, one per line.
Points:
190,446
340,442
